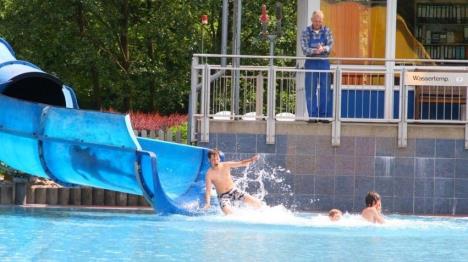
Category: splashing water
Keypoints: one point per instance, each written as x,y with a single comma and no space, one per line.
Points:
281,216
255,179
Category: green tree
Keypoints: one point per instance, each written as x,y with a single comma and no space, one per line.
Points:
129,54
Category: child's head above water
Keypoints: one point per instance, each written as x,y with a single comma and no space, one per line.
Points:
335,214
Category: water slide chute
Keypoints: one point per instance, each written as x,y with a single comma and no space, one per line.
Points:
44,133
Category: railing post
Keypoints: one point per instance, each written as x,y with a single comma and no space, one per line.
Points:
390,47
259,95
336,123
205,105
388,93
270,130
466,135
193,101
466,117
403,123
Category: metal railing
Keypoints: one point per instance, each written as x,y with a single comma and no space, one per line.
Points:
262,90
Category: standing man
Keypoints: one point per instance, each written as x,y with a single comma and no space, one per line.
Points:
317,42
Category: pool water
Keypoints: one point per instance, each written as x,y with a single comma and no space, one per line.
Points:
271,234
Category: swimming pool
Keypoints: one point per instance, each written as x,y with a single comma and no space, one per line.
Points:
273,234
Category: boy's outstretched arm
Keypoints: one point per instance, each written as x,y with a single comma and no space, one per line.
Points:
245,162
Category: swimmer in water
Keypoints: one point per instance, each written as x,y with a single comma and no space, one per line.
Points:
373,210
335,214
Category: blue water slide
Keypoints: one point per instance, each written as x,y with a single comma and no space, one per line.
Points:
44,133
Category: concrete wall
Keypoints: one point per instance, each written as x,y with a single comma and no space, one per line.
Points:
430,176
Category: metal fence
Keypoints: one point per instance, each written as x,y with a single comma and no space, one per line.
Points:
166,135
361,90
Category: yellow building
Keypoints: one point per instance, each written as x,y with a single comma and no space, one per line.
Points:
416,29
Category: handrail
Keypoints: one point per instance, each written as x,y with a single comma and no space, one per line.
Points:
396,60
365,77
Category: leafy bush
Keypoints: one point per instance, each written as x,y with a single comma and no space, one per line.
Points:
182,128
149,121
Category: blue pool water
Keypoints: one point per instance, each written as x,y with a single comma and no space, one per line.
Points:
272,234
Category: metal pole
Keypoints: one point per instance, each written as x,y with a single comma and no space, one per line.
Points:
390,54
336,124
466,117
272,39
403,124
205,123
224,32
270,132
236,61
193,101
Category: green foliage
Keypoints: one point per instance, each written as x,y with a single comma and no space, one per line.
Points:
129,54
182,129
3,169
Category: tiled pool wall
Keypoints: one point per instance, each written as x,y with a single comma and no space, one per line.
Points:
429,176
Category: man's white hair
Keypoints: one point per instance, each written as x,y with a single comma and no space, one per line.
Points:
317,13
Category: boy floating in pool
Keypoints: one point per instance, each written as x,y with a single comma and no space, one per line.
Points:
220,176
373,210
335,214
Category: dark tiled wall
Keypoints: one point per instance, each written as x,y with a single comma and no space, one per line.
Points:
429,176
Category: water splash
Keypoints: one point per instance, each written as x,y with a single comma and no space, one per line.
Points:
256,178
281,216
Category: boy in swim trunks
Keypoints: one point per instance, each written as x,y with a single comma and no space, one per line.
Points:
219,175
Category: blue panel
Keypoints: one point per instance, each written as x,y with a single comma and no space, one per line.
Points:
344,109
19,116
381,104
440,111
361,110
366,96
178,165
21,153
396,104
411,104
362,104
18,135
96,166
373,104
370,104
351,103
377,104
89,127
180,184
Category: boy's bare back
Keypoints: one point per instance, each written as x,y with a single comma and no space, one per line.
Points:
371,214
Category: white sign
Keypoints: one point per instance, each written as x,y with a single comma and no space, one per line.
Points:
436,79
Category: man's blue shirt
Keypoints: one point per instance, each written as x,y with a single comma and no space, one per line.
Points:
308,33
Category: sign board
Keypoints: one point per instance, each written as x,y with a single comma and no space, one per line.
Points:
436,79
